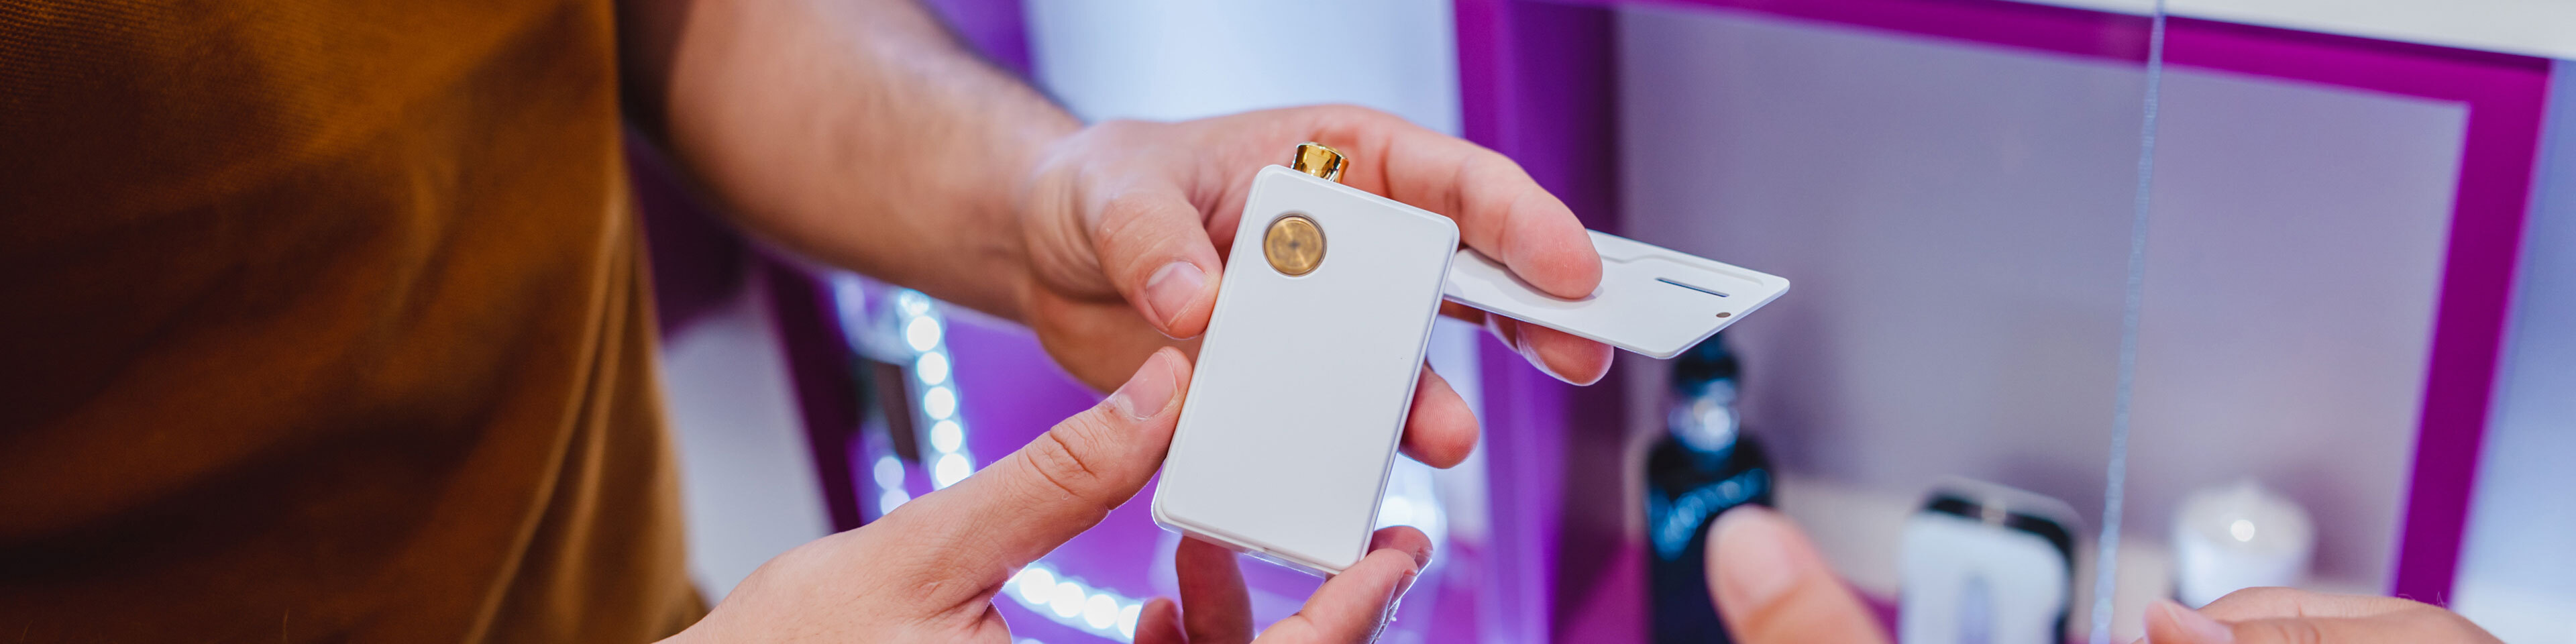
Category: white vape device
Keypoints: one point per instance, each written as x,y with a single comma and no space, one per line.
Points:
1307,371
1987,564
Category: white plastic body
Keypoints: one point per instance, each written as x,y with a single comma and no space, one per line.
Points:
1303,383
1968,581
1652,300
1978,580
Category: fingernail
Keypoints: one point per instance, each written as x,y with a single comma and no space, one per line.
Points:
1172,288
1751,556
2200,628
1395,601
1529,352
1420,549
1149,390
1528,349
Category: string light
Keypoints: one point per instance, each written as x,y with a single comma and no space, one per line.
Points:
926,334
889,472
1066,600
947,436
1069,601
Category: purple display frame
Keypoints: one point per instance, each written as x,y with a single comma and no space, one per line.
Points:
1523,93
1538,81
1553,115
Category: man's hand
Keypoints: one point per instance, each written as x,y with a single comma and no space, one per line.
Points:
1350,607
1124,225
1773,588
2292,616
928,571
859,133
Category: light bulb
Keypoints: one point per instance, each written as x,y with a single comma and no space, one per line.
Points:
947,436
1033,583
951,469
921,334
1101,611
889,473
940,402
1068,599
931,368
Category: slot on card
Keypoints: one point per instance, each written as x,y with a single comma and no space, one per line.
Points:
1630,310
1711,291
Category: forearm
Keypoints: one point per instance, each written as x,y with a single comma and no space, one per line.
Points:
857,133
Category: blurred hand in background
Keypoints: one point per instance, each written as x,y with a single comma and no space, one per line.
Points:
2293,616
1774,588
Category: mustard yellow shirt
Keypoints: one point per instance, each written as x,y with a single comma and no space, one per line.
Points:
325,320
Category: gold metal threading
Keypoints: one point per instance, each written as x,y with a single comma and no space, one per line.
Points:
1319,160
1294,245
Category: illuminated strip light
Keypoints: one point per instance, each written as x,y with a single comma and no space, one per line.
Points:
1067,600
925,335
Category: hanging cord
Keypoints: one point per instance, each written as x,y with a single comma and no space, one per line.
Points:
2106,561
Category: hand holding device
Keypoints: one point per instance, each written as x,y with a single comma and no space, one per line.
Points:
1351,607
1123,224
1307,373
928,571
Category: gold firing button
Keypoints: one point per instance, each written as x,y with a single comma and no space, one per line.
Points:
1294,245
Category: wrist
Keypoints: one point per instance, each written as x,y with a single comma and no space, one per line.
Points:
992,268
1039,218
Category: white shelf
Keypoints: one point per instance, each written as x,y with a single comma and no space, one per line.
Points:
2544,28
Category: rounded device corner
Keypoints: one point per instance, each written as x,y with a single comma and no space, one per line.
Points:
1164,518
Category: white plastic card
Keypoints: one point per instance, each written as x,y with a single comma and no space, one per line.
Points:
1307,370
1652,300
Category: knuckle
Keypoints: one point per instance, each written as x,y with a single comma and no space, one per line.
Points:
2303,632
1129,208
1355,113
1064,459
1133,223
1339,112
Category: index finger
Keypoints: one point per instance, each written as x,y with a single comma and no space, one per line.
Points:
1772,586
1355,605
987,526
1500,210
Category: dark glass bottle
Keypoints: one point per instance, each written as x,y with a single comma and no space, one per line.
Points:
1703,465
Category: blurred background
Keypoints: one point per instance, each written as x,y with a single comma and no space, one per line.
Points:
2098,301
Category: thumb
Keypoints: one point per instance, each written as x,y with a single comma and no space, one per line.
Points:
1062,483
1156,249
1773,588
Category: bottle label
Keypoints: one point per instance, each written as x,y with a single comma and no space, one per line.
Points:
1672,524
